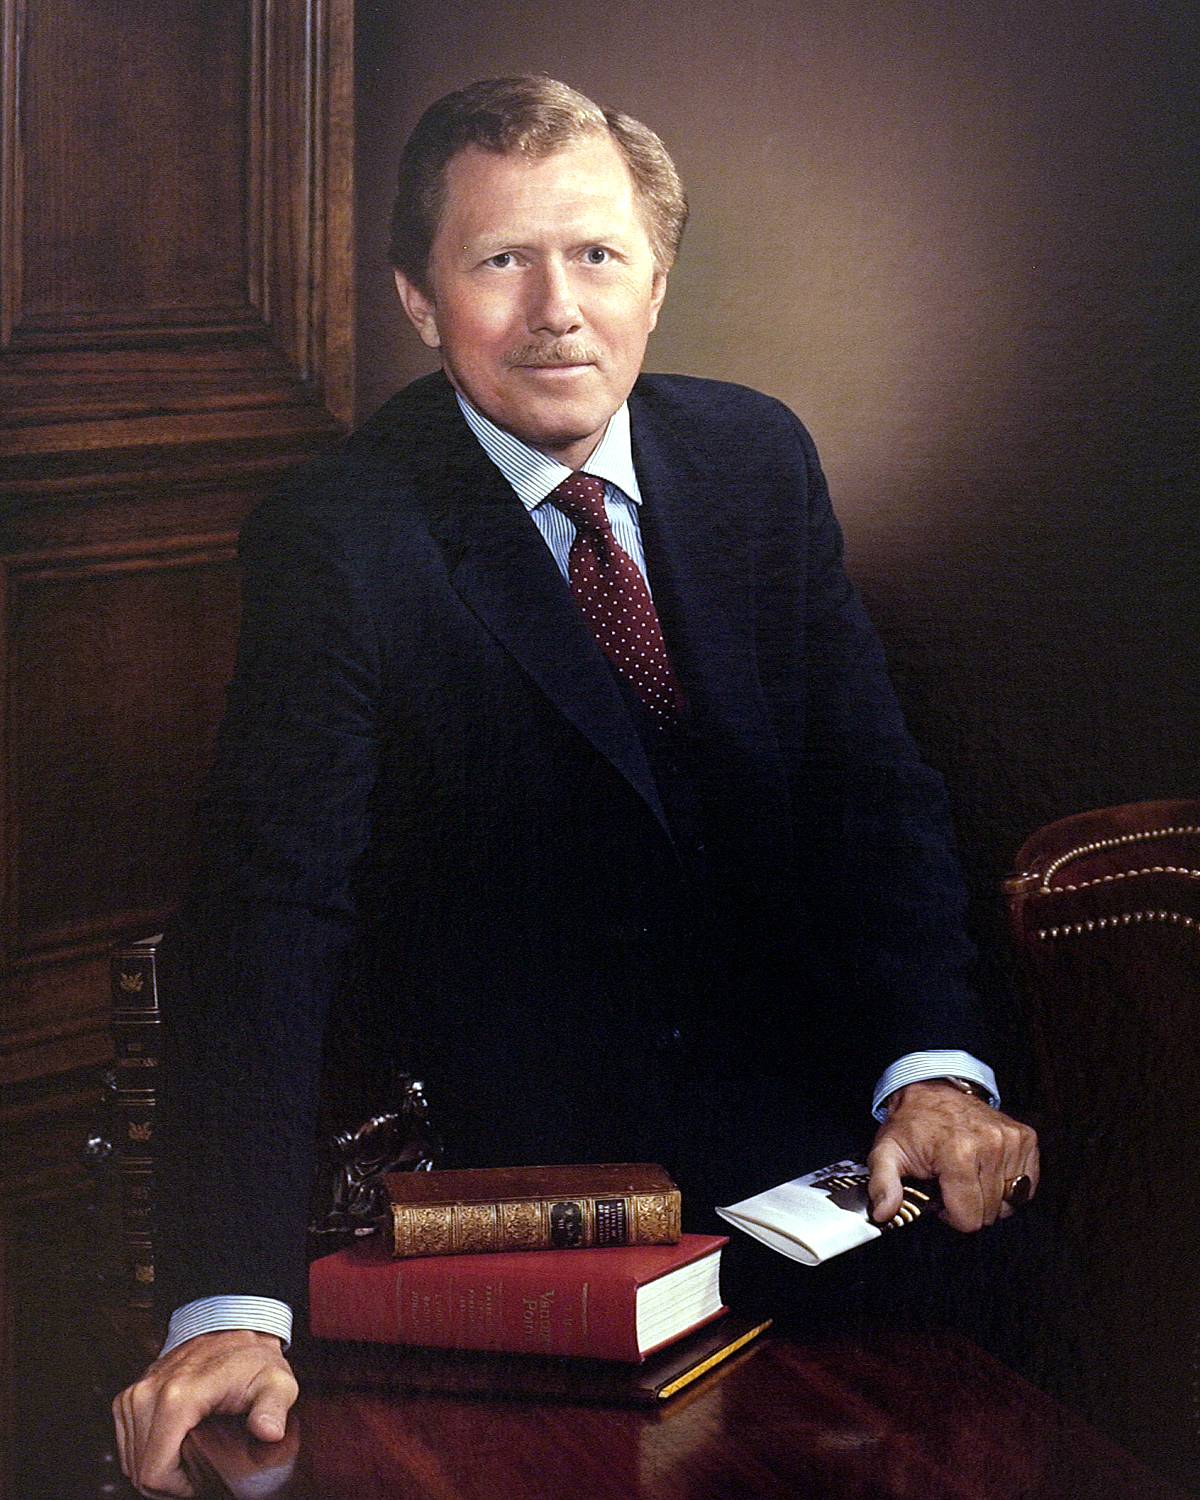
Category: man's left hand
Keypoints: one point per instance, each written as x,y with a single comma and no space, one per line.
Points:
933,1131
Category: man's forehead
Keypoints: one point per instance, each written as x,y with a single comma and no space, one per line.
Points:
584,183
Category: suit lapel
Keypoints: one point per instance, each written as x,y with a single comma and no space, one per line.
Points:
695,555
699,543
505,574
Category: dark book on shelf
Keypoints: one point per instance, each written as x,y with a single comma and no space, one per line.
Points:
136,1033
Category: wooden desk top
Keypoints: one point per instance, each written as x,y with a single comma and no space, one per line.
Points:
904,1418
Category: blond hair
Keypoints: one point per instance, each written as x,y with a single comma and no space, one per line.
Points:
533,115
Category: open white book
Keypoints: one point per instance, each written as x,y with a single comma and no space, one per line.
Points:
820,1214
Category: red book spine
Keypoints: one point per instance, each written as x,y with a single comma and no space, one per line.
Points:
578,1303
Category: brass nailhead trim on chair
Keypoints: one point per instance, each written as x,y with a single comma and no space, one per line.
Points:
1084,885
1118,841
1121,919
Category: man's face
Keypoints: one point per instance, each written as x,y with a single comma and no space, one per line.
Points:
542,291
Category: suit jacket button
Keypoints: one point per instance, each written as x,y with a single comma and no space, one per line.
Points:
669,1039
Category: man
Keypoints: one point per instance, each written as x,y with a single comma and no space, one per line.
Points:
593,785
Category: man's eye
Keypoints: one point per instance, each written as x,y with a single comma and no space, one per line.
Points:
595,255
500,261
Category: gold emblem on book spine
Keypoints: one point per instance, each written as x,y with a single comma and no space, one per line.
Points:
655,1218
133,983
140,1132
476,1226
427,1231
521,1226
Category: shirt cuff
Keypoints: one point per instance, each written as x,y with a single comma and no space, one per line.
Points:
916,1067
209,1314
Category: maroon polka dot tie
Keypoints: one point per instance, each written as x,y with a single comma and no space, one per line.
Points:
611,592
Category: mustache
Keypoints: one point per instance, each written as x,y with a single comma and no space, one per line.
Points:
561,352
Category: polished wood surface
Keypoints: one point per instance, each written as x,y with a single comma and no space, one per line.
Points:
904,1418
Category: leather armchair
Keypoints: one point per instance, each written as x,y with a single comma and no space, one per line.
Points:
1105,915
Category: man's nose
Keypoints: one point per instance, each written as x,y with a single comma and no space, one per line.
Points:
553,307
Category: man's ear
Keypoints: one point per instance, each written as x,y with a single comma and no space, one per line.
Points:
421,310
658,290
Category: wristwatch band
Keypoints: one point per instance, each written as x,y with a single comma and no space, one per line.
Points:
965,1086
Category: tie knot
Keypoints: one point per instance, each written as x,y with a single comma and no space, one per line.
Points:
580,497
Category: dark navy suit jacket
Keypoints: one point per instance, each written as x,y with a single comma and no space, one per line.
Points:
433,812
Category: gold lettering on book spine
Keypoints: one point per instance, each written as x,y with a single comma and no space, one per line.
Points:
654,1219
522,1227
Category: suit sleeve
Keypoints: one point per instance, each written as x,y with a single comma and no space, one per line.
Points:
880,875
251,965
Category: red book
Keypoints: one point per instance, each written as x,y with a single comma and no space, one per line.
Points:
620,1304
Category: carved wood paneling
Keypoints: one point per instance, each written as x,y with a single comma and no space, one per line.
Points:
175,209
116,656
164,241
175,332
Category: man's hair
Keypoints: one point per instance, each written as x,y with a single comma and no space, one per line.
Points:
532,116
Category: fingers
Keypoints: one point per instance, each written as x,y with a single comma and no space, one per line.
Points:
1028,1166
161,1421
1032,1163
144,1477
966,1202
118,1411
884,1188
231,1371
934,1131
272,1398
1004,1150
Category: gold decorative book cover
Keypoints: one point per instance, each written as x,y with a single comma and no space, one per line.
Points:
531,1208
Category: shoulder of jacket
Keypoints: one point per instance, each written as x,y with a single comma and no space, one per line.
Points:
370,472
719,403
719,418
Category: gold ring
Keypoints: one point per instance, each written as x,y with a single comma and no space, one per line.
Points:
1017,1190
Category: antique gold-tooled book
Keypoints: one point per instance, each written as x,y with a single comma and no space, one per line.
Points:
491,1209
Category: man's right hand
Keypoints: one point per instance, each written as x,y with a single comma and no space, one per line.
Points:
226,1373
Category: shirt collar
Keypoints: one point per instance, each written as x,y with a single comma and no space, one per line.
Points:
533,475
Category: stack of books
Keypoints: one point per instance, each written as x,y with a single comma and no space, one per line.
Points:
572,1274
562,1270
